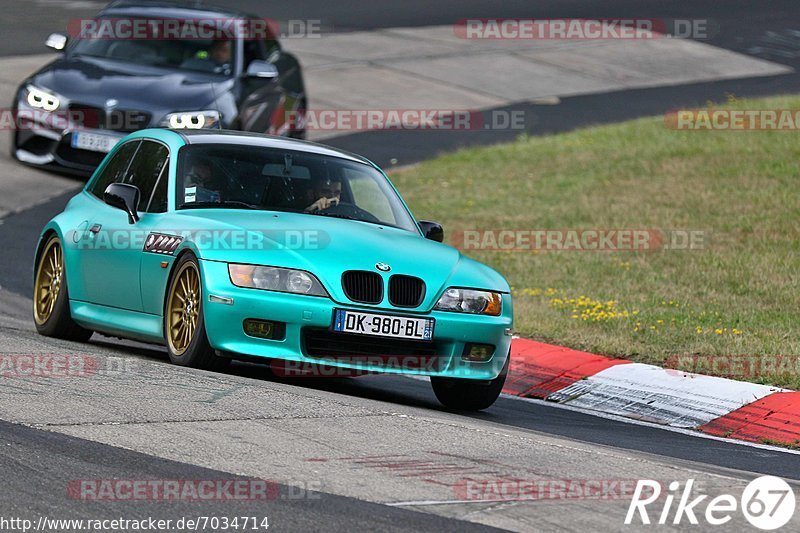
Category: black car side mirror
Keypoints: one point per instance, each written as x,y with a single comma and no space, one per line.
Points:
56,41
261,69
432,230
125,197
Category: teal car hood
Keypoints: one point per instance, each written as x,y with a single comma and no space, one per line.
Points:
327,247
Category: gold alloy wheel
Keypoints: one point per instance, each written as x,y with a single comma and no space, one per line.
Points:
183,308
49,278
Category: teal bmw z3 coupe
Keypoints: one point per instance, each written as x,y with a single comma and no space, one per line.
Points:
226,245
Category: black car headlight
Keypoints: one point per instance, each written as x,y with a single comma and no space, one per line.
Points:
192,120
275,279
40,99
472,301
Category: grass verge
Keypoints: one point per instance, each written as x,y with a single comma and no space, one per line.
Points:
737,296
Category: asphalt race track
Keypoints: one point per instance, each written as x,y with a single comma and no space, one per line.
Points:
373,453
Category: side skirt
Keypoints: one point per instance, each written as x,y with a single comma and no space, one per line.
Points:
118,322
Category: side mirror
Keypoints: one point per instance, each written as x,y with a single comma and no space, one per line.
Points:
57,41
432,230
125,197
261,69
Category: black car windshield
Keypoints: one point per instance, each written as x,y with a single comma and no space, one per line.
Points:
200,55
248,177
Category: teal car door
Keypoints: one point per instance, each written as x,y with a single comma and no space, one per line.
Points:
113,259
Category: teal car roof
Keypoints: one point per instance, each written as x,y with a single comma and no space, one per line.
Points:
242,138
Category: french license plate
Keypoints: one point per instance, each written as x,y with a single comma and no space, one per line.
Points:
96,142
402,327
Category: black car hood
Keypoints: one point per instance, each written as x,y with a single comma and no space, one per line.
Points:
93,81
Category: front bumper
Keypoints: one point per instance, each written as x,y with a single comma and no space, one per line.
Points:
308,320
34,148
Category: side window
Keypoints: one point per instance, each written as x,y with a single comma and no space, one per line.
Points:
114,172
158,203
146,168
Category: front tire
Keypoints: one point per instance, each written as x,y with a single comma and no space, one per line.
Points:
51,296
469,394
184,325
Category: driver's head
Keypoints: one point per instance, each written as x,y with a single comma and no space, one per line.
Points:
200,174
221,52
328,188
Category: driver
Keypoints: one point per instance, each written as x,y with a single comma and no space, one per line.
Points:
221,52
217,58
199,183
324,194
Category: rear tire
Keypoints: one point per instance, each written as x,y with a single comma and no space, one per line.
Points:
184,325
51,313
469,394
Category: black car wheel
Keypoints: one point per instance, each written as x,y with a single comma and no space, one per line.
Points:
51,296
184,327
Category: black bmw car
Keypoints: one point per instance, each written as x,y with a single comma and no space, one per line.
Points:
108,83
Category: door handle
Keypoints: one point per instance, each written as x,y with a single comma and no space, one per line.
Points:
95,229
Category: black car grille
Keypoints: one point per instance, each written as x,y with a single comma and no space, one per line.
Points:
406,291
345,347
362,286
122,120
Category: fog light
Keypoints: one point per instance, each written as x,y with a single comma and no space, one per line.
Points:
478,352
265,329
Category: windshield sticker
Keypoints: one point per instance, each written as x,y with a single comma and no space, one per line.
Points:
189,194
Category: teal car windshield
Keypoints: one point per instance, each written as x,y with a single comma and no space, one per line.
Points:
249,177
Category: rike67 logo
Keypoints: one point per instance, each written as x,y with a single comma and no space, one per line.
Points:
767,502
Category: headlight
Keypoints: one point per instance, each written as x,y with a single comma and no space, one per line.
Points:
275,279
40,99
192,120
470,301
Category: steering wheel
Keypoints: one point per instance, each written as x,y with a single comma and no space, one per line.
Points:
348,210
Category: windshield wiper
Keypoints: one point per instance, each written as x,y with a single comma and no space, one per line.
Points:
226,203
